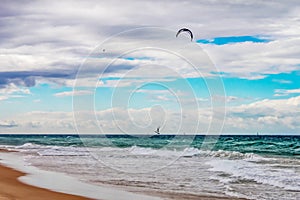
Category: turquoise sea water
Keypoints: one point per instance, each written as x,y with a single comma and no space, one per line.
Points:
264,145
251,167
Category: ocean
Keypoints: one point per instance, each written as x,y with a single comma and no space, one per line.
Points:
251,167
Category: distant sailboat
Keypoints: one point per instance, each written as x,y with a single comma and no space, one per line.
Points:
157,130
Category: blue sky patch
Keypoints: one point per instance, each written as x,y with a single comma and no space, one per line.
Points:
234,39
138,58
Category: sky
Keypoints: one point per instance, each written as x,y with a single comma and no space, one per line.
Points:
116,67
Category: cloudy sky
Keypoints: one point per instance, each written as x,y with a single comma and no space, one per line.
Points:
116,67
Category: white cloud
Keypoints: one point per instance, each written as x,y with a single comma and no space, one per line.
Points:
42,122
12,91
256,60
3,98
264,116
73,93
56,36
285,92
8,124
268,116
282,81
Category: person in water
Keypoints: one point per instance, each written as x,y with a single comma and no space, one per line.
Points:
157,130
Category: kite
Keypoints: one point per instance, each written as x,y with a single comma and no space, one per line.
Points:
185,30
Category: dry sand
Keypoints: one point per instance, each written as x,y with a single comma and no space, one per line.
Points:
12,189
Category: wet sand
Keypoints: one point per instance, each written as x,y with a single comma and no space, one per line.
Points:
12,189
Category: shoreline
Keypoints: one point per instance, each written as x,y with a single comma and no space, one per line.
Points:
16,175
16,182
12,188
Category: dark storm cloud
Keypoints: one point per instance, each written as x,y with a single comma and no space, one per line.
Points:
27,78
118,68
10,8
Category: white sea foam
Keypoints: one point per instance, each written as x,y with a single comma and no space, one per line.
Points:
30,146
142,151
156,167
243,170
63,152
45,150
191,152
48,150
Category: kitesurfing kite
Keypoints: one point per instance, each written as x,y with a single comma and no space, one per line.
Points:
185,30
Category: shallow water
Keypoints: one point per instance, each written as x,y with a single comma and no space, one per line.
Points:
254,167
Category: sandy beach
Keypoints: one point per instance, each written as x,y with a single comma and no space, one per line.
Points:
11,188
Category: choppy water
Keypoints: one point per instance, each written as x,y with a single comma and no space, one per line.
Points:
254,167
